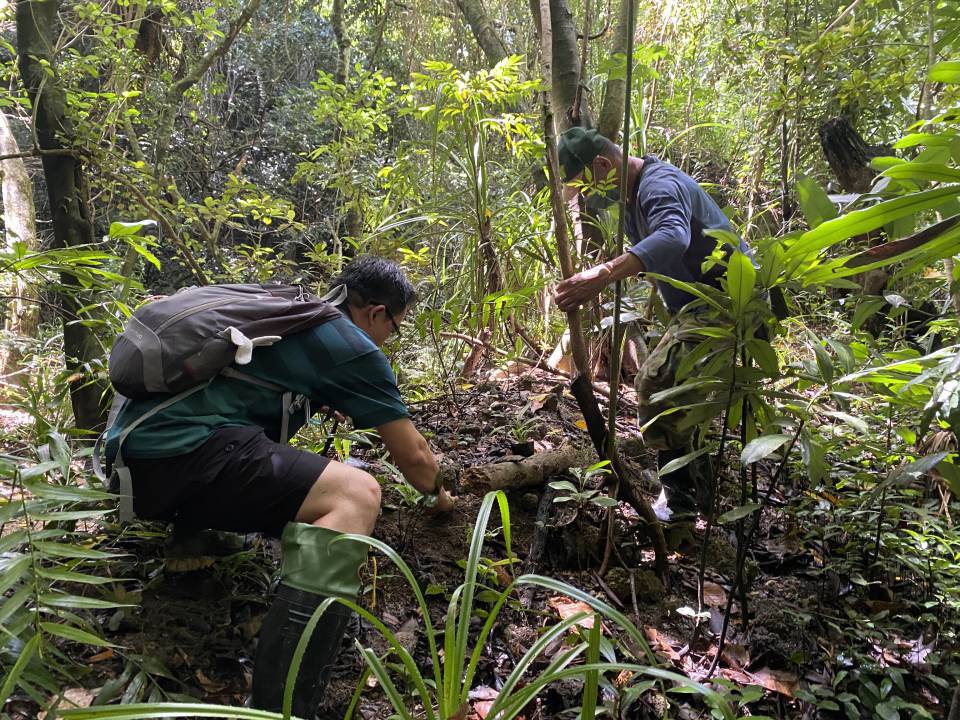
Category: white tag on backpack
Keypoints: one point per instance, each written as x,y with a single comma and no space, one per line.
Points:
246,345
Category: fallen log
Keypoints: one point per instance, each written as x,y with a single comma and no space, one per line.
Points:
528,472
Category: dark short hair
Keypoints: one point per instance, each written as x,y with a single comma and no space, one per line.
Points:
375,280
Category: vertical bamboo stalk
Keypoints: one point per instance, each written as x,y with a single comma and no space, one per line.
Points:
616,337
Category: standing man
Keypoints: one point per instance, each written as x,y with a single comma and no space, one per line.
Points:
667,214
214,460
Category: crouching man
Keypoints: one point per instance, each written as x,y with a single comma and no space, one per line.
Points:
214,460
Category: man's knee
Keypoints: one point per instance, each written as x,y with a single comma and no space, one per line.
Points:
367,492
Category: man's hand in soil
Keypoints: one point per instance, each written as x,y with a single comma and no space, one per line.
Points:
586,285
445,503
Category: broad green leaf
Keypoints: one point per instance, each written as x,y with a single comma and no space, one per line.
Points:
844,354
693,289
924,172
919,466
75,634
824,361
150,257
765,356
866,308
858,424
741,276
813,452
762,447
950,473
928,139
121,229
738,513
947,71
683,461
816,206
859,222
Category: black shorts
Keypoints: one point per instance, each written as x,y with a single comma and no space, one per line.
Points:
239,480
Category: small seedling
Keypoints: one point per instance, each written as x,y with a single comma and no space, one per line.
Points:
581,494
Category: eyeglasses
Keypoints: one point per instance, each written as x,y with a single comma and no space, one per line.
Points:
393,320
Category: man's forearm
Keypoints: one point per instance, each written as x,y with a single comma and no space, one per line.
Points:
623,267
421,475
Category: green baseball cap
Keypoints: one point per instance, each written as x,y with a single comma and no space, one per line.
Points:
577,147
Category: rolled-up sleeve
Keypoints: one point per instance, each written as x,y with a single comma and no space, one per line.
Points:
667,212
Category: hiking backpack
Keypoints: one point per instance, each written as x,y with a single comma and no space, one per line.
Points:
187,338
177,345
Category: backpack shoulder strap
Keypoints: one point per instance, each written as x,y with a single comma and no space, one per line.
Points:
124,481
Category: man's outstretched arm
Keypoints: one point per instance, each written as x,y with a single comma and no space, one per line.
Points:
413,457
586,285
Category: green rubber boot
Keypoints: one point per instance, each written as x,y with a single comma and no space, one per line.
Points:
312,571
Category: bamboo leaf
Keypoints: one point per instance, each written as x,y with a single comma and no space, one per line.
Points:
67,550
67,493
77,601
74,634
75,577
12,569
26,655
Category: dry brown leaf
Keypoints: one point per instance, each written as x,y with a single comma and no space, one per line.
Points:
107,654
482,697
623,679
537,401
714,595
661,645
209,685
737,655
566,607
781,681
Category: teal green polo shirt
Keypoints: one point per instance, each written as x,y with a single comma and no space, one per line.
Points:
335,364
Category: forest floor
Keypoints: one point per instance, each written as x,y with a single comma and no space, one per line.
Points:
191,630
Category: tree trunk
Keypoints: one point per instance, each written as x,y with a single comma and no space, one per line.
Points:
848,154
338,21
36,20
487,37
352,224
611,114
565,75
19,220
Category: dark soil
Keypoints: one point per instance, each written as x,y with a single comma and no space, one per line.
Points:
192,634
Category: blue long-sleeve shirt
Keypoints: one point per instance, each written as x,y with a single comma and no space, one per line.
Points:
666,222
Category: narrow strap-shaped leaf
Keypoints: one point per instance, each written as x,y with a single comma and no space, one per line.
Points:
26,655
859,222
924,171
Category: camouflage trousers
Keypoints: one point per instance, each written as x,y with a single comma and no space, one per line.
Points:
670,426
